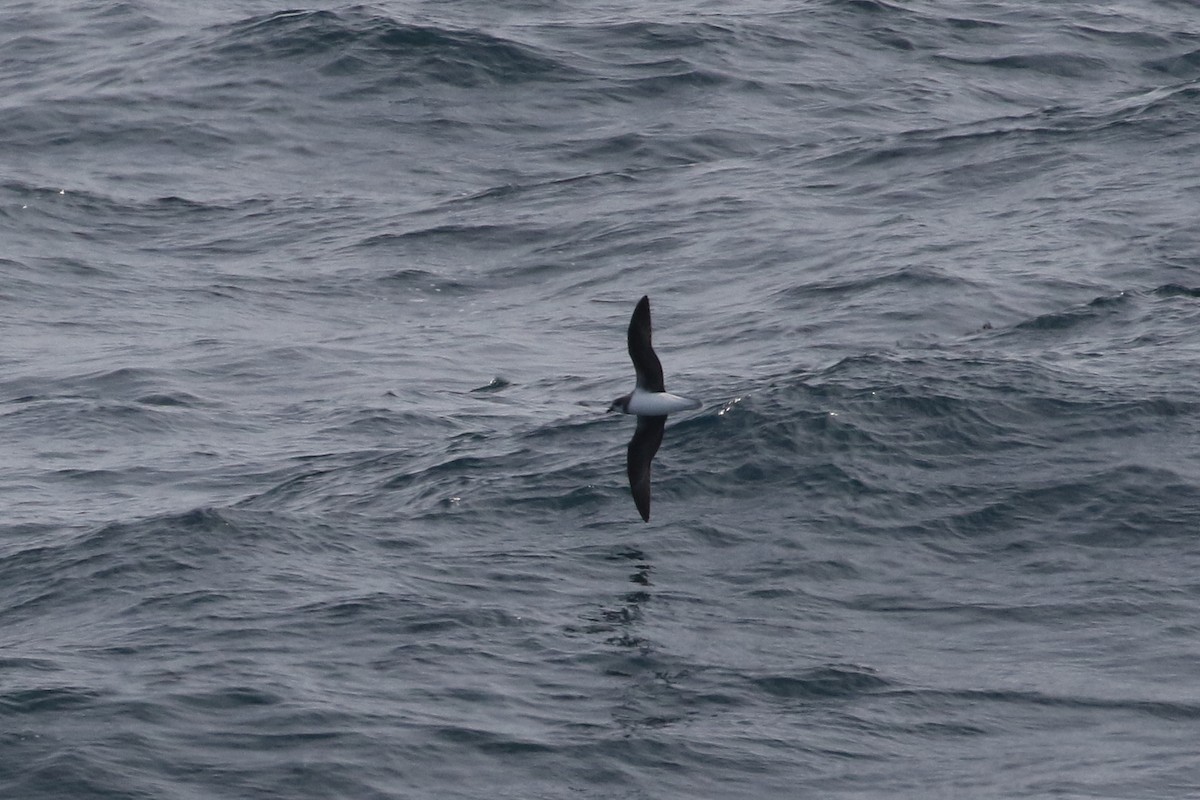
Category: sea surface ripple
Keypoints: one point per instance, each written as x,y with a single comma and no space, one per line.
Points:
308,321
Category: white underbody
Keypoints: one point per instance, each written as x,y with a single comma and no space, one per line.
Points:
659,404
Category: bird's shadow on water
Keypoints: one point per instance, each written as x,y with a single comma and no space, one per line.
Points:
618,621
652,694
624,616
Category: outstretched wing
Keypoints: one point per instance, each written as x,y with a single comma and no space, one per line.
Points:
645,362
642,447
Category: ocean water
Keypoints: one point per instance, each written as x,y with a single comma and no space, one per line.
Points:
309,317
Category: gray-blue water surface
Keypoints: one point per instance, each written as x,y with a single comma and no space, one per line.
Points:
309,318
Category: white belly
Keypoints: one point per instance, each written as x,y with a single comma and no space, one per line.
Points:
659,404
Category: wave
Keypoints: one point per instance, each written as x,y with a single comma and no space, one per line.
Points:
357,41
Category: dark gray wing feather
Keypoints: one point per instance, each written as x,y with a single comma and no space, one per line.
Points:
645,362
642,447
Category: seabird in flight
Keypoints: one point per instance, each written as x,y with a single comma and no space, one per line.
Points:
651,402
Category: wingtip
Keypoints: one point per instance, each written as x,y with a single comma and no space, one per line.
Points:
641,497
642,501
639,323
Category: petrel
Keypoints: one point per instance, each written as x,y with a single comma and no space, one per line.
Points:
651,402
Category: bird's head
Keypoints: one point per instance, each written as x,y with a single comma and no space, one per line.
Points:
621,404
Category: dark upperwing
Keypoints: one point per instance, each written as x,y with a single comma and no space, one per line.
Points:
642,447
645,362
